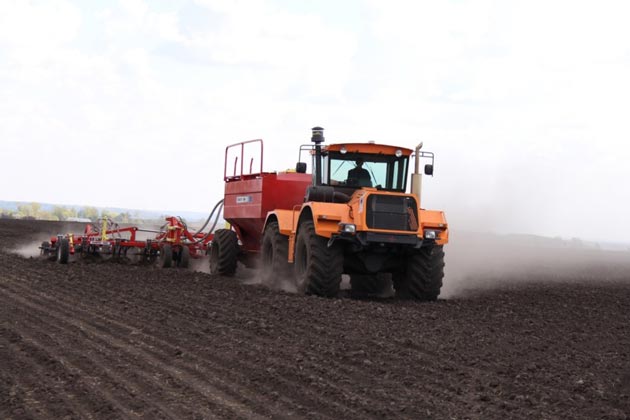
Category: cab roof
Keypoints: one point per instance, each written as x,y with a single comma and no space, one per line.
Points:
372,148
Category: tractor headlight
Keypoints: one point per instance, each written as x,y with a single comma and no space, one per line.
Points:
350,228
431,234
398,153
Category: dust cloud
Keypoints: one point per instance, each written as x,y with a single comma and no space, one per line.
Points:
28,243
283,283
478,262
30,250
475,262
200,264
280,283
481,261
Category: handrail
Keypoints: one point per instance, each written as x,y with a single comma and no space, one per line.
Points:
236,159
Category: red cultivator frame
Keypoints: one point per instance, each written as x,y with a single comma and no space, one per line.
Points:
173,244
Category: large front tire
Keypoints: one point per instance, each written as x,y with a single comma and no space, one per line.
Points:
224,252
318,267
275,253
422,276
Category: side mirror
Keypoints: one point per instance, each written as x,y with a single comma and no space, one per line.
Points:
428,169
300,167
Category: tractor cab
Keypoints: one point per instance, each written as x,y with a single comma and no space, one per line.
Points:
339,170
361,165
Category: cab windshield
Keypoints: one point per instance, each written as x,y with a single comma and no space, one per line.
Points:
356,170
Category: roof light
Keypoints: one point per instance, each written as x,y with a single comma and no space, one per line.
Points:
398,153
318,135
343,150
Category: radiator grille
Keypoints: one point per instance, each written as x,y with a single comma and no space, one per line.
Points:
392,212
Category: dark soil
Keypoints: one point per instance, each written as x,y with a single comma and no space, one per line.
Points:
124,341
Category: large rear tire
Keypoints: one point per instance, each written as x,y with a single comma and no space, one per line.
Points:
275,254
318,267
63,251
422,275
224,252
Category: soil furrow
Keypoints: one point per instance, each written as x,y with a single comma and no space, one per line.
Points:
426,380
119,388
536,345
355,375
161,344
203,388
27,398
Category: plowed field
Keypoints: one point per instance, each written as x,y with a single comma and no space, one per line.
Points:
104,340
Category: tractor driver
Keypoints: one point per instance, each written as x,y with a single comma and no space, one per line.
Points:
359,175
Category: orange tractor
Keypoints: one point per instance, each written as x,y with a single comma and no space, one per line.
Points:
351,215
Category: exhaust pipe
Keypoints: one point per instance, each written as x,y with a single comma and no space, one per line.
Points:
318,139
416,177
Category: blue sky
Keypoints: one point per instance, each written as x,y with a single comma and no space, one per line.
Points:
131,103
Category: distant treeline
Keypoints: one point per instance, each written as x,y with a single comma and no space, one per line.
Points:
34,211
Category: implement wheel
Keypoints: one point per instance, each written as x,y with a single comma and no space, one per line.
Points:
318,267
275,253
166,256
46,251
63,250
224,252
43,248
184,257
422,275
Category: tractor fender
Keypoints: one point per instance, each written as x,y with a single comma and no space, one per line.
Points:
435,219
284,219
325,217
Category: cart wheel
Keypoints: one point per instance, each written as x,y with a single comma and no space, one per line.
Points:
63,251
224,252
166,256
184,257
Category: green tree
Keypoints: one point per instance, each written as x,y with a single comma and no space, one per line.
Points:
63,213
47,215
89,213
108,214
7,214
32,210
124,217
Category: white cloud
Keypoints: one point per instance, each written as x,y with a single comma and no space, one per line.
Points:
31,34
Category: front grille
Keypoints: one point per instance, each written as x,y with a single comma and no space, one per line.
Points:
392,212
